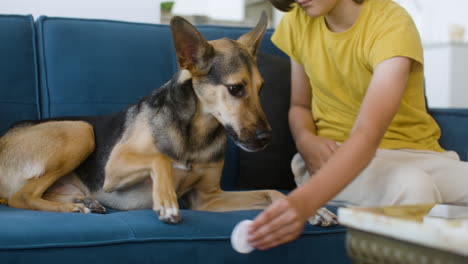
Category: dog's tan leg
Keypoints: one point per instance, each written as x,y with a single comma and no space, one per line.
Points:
255,200
72,144
128,169
164,195
221,201
208,196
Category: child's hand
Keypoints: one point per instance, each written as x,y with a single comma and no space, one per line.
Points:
281,222
315,150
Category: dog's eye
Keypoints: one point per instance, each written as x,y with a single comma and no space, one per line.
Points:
237,90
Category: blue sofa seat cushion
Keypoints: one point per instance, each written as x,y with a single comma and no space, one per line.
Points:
18,72
200,233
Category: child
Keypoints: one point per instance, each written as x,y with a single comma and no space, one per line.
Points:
357,115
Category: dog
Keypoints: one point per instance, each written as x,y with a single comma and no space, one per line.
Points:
169,145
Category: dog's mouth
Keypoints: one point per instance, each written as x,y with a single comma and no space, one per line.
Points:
249,148
249,141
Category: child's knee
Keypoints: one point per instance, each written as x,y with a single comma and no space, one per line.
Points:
412,186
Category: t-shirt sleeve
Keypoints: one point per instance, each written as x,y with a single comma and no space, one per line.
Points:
286,34
397,37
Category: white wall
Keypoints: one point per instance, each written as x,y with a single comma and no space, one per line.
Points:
434,17
444,63
216,9
437,72
446,75
146,11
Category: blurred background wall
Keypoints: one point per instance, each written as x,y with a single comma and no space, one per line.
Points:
443,27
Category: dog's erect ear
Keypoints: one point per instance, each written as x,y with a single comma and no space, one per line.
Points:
193,51
253,38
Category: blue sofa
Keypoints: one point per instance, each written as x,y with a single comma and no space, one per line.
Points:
62,67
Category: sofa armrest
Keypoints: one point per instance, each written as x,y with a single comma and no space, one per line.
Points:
454,125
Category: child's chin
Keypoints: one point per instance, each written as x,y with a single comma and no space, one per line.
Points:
313,12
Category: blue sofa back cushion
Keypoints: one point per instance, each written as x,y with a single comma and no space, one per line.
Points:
18,73
454,126
92,67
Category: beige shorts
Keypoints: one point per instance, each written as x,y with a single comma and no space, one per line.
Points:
402,177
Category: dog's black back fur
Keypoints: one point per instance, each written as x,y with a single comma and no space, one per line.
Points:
174,104
108,130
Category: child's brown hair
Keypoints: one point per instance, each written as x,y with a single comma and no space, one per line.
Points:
286,5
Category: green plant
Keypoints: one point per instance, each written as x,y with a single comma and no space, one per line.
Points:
167,6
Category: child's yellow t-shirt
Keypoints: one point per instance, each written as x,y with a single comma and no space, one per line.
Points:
340,67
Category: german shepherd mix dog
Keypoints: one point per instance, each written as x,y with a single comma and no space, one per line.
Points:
169,145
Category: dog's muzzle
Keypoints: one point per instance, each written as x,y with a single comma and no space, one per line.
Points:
263,137
250,141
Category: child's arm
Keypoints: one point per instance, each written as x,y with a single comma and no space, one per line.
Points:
314,150
284,220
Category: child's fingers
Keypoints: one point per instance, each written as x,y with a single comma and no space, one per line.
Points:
270,213
280,237
278,224
263,232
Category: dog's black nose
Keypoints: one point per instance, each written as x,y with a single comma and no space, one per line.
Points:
263,136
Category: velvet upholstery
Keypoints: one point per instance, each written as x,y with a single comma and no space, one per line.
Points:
62,67
18,70
95,67
138,237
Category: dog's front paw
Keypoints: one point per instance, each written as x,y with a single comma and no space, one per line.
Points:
169,215
167,208
323,217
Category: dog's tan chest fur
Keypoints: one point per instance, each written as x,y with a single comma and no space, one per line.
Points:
136,138
137,144
136,141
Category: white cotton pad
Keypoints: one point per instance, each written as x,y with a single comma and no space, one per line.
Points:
239,237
